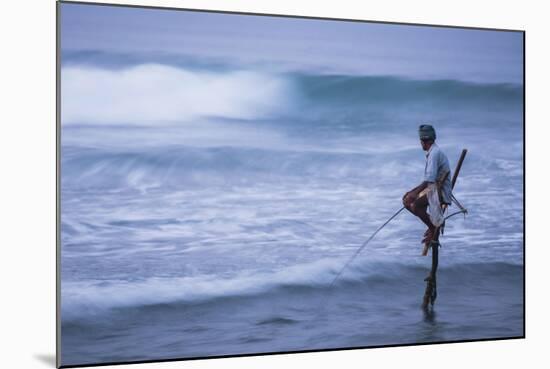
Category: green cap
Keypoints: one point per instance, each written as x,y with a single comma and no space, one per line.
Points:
426,132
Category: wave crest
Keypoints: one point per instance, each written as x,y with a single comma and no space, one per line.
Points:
91,298
154,93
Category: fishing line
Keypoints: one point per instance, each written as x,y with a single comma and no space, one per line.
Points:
464,211
363,246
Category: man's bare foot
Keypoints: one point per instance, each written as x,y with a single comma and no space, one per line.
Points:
428,235
425,249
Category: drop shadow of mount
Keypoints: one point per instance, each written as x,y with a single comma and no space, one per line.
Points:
48,359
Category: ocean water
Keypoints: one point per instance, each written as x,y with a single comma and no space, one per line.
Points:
210,216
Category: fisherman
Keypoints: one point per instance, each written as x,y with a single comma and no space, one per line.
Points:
425,200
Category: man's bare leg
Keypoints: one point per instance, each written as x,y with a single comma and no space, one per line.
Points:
419,207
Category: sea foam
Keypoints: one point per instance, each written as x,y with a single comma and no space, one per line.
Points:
154,93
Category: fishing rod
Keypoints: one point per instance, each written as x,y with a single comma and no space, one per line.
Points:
363,246
462,211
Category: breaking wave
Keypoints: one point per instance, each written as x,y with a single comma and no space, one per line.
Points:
148,94
90,298
154,93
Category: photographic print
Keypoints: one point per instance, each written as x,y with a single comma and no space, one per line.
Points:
242,184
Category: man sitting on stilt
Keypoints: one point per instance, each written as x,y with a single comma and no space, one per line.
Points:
425,200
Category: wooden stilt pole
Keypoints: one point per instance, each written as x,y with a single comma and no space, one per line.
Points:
430,293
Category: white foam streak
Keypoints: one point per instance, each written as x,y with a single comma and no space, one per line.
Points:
91,298
153,93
